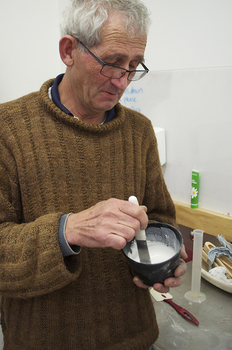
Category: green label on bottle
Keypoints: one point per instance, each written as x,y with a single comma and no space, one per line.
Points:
195,189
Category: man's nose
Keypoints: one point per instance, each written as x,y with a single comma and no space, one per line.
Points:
122,82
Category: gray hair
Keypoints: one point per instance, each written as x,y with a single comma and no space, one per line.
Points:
84,19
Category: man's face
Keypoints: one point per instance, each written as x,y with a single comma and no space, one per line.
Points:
93,91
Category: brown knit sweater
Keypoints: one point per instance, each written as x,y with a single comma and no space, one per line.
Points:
52,164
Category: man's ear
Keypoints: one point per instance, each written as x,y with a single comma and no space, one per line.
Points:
66,46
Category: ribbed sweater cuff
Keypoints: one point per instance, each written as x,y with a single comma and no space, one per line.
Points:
66,249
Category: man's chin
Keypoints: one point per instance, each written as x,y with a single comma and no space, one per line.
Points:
107,105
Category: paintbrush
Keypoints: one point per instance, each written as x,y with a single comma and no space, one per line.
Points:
140,237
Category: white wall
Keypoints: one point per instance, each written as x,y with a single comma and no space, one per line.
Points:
29,45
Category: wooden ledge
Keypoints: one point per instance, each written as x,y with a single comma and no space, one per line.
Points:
208,221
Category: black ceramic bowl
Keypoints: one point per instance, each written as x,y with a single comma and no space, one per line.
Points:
156,272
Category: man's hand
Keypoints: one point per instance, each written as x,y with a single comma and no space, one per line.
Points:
111,223
169,282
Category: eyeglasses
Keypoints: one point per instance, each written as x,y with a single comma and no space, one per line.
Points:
114,72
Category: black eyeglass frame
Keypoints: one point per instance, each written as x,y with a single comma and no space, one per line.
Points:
145,71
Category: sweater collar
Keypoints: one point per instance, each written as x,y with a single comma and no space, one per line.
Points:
49,108
56,99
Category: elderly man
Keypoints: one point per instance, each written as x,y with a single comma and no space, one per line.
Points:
70,156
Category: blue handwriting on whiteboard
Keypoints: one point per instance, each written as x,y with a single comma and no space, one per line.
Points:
130,99
131,90
136,108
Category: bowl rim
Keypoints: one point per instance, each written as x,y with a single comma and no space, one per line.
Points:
158,224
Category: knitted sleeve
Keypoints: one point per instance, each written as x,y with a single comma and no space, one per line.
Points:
31,262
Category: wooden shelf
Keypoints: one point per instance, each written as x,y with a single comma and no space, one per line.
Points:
208,221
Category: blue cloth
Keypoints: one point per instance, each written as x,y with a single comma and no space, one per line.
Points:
65,248
215,252
224,242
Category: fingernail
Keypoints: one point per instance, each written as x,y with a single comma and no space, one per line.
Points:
182,273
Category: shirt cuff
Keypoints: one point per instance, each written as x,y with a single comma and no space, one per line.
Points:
65,248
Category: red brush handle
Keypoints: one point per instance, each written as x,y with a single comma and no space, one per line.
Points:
183,312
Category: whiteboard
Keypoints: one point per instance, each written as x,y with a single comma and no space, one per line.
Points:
189,34
194,107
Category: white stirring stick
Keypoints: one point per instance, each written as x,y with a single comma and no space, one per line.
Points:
141,240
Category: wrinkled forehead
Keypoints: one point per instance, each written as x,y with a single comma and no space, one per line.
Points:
116,27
